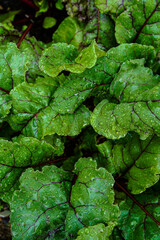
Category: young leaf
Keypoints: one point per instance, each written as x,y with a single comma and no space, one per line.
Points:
72,35
62,56
83,10
59,206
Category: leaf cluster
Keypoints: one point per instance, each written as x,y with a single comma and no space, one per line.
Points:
80,123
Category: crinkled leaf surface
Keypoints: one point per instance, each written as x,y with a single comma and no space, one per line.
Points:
78,87
126,52
73,32
16,156
51,204
135,223
62,56
32,50
12,68
137,92
114,7
82,9
34,116
135,21
100,28
97,232
139,23
137,161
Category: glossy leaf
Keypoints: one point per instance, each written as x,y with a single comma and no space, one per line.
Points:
33,115
97,232
83,10
58,208
78,87
100,28
62,56
69,31
137,92
135,222
12,66
17,156
139,23
137,161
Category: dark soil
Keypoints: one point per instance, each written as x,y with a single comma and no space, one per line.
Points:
5,232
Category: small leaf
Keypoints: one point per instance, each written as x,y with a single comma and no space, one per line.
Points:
69,31
49,22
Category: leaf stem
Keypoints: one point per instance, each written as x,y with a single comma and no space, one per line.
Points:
136,202
30,3
98,26
24,34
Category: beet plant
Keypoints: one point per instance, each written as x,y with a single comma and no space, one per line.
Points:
80,121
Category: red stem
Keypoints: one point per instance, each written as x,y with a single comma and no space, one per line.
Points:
98,27
136,202
24,34
30,3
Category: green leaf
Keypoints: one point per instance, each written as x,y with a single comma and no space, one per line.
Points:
43,6
137,92
78,87
65,125
34,116
12,66
6,21
16,156
139,23
49,22
28,101
83,10
59,206
69,31
92,197
62,56
5,104
43,204
100,28
59,4
135,222
97,232
114,7
137,161
32,50
126,52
